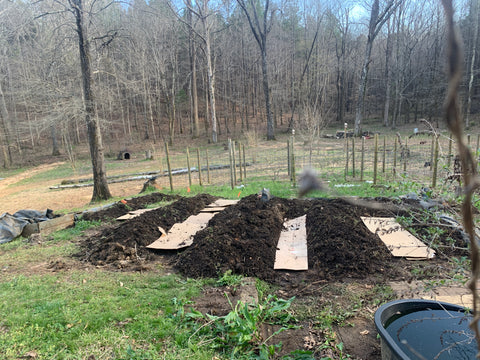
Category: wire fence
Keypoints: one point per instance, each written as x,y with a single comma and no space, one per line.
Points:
428,160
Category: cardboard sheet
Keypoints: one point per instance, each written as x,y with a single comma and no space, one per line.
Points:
213,209
134,213
398,240
181,234
292,246
223,203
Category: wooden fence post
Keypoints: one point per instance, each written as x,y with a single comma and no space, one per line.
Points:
240,160
405,157
362,163
375,159
294,178
353,157
384,154
435,163
292,160
432,152
346,154
395,157
168,166
188,168
449,160
244,163
199,168
208,168
289,164
234,162
231,162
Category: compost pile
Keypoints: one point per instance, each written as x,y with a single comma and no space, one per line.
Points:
243,238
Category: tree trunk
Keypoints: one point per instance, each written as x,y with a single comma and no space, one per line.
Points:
260,32
266,92
388,72
193,72
211,88
476,19
7,161
55,149
100,185
375,24
362,88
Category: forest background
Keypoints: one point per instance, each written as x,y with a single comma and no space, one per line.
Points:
164,71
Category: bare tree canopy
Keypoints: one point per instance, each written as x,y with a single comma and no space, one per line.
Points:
149,71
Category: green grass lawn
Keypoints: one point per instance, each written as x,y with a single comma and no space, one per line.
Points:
74,315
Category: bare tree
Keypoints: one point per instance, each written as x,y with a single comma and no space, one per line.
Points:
192,57
100,185
5,126
377,20
261,28
206,16
475,19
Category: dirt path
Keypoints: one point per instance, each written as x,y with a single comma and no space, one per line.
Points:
16,195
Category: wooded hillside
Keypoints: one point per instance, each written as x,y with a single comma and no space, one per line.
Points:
164,69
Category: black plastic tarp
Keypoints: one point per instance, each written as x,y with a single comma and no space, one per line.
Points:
12,226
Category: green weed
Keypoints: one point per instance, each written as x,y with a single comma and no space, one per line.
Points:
229,279
238,334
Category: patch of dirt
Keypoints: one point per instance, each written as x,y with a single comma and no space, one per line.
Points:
359,338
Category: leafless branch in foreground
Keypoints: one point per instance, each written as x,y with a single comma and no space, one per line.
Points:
470,176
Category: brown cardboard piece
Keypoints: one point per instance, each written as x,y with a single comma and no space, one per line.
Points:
399,241
134,213
222,203
213,209
453,294
292,246
181,234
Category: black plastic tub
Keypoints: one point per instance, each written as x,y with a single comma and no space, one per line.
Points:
425,329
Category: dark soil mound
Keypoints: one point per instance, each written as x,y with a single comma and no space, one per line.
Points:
243,239
119,209
340,245
128,240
